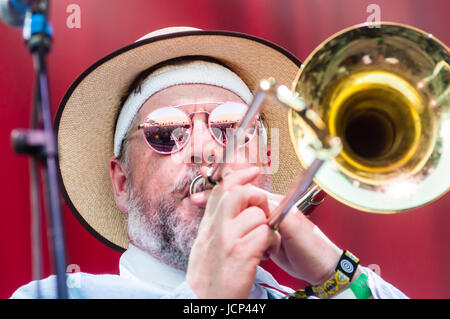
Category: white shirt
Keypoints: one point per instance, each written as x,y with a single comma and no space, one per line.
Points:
143,276
138,266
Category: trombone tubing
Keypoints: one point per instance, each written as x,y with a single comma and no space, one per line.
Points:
292,197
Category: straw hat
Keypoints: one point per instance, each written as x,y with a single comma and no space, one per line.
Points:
85,120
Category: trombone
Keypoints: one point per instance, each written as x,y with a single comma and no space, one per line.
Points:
369,119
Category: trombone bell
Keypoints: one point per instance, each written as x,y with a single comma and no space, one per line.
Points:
385,93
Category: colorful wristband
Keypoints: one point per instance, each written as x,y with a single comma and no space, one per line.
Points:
348,264
332,286
360,287
344,272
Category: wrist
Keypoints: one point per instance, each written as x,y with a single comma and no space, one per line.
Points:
329,255
328,266
346,270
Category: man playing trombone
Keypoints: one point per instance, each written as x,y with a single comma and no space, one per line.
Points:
140,125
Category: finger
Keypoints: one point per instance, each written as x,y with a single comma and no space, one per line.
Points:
201,198
273,197
242,197
274,200
247,220
260,240
274,247
229,203
240,177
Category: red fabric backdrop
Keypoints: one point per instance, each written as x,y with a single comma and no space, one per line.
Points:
410,249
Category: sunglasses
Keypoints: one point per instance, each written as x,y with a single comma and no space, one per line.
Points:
168,129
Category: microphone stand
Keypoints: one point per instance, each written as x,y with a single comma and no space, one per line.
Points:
40,144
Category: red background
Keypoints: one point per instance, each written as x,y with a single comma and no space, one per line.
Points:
411,249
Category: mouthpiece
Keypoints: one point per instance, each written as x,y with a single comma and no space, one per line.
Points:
198,185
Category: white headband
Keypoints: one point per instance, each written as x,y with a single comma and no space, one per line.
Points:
195,72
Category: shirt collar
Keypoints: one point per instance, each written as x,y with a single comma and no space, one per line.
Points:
138,265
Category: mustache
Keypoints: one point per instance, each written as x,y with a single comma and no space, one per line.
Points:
185,179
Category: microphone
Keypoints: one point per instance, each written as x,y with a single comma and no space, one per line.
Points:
13,12
31,15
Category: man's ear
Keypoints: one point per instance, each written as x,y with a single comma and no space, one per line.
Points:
118,177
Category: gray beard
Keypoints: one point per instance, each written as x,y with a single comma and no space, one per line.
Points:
162,233
156,227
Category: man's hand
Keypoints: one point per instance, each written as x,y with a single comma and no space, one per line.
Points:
232,238
305,252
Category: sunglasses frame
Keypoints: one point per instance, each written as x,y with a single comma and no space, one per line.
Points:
189,116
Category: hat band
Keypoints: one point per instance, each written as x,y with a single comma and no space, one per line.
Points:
196,72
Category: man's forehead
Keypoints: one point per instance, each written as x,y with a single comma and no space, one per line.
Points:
188,94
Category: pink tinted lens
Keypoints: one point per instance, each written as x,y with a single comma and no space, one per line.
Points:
224,120
167,129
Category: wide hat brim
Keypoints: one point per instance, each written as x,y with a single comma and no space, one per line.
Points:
85,120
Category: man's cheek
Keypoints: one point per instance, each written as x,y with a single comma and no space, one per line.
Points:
177,158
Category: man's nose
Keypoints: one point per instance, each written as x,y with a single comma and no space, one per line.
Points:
202,148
